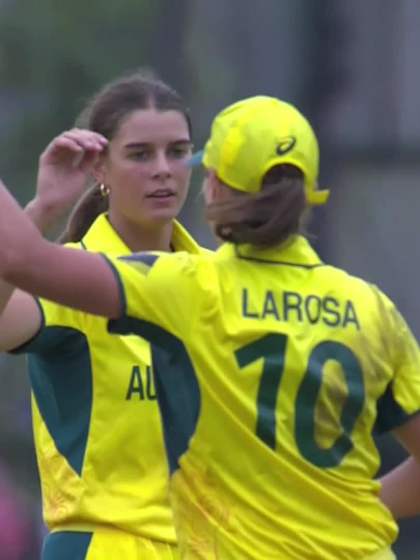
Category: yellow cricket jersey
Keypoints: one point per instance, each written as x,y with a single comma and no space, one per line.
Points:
273,372
97,426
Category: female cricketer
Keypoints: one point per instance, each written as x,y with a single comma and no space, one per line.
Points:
104,481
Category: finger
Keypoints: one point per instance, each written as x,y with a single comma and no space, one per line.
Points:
86,137
86,131
73,142
77,159
59,148
66,143
89,161
86,142
67,146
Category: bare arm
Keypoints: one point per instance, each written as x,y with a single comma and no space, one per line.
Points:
401,486
40,215
68,276
20,320
64,167
20,317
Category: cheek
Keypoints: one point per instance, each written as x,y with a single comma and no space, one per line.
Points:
183,177
129,183
135,172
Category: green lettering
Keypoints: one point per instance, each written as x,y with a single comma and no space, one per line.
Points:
150,384
350,315
330,306
136,384
292,301
270,307
245,310
313,312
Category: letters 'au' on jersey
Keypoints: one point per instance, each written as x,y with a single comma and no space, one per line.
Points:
97,426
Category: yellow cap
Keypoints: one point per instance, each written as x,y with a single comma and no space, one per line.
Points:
251,136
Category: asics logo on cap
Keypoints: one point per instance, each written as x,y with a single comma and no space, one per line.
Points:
285,145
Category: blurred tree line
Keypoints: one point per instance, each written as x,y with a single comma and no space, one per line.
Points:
54,55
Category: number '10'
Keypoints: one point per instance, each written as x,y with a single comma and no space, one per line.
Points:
272,349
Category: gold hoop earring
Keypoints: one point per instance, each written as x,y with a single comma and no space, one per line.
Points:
104,190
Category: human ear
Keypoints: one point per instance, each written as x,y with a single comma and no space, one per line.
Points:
99,169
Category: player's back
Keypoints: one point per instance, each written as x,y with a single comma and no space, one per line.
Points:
296,364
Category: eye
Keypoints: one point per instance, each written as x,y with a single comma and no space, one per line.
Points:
179,152
142,154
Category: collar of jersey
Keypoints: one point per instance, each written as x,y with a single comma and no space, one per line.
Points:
296,252
102,237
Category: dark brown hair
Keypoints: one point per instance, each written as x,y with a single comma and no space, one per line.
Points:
264,219
104,114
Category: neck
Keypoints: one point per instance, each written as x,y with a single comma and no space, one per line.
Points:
143,237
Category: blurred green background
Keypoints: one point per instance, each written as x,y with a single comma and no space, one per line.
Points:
350,66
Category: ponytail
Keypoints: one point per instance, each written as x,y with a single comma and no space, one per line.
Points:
266,218
88,208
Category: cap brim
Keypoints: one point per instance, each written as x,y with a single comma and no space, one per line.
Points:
196,159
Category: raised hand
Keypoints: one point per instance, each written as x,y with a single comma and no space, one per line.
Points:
64,169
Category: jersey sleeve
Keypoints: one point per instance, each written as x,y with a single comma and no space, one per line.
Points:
401,400
161,291
57,324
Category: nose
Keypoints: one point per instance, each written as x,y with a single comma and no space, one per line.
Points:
161,166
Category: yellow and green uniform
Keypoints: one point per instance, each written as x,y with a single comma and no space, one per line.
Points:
97,428
273,373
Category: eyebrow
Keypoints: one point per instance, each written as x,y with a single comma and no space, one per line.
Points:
147,144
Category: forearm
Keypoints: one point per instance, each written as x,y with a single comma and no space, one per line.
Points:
70,277
77,279
43,217
6,291
401,489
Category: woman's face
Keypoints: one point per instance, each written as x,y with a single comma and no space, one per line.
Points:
145,167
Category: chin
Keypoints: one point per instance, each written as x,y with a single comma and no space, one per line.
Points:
163,214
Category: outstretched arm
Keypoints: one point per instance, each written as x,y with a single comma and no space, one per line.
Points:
401,486
63,172
20,318
70,277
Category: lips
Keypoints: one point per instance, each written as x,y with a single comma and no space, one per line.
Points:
161,193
